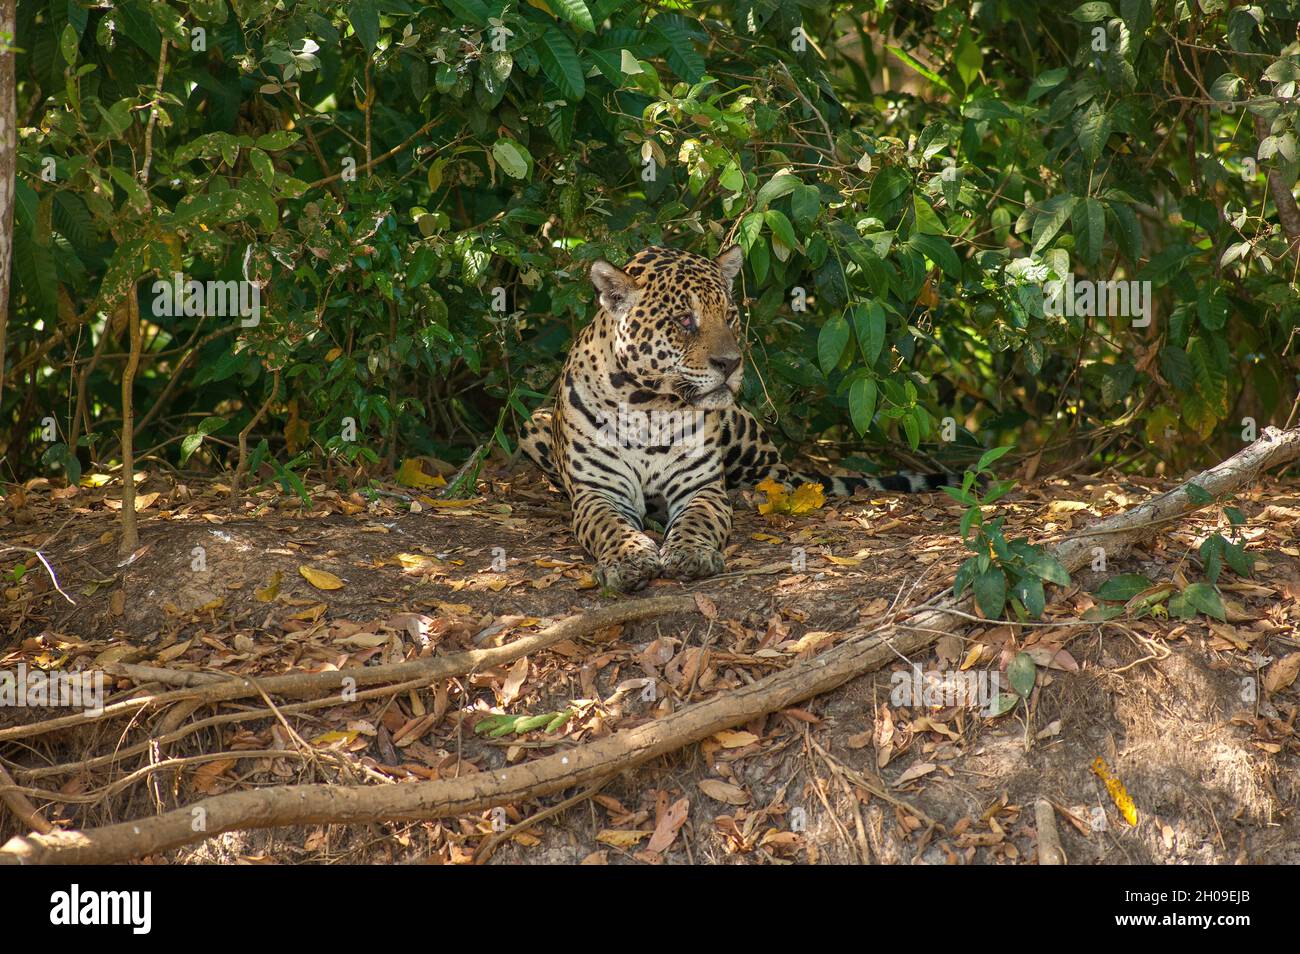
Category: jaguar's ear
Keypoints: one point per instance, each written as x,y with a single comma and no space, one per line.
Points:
614,287
730,260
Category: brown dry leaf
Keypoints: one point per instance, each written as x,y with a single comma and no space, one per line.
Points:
362,640
1053,657
321,579
208,775
514,681
708,609
669,825
884,737
117,603
721,791
735,740
915,772
1282,673
144,501
172,652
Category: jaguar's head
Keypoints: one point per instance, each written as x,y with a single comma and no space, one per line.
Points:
675,323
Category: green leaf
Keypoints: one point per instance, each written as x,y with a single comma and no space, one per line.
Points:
969,60
926,221
276,140
1123,587
805,203
831,342
1093,129
1198,494
1204,597
364,17
782,232
862,403
1092,12
1049,79
774,188
1129,231
560,63
1001,705
513,158
937,249
869,325
1242,563
991,592
68,43
682,57
575,11
989,456
1029,590
921,68
965,573
1046,567
1048,218
1091,235
1022,672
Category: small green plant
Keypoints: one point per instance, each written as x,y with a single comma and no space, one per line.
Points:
1001,571
1142,596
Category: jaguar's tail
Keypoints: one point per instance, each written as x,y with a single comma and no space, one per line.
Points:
845,486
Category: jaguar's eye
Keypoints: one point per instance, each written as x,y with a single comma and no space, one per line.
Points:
687,321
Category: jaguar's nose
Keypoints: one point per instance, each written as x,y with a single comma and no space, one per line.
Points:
726,364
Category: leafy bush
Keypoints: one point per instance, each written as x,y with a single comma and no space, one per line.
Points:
417,189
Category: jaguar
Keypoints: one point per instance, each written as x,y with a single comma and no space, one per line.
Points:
646,425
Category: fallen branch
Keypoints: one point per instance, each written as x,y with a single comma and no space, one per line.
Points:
18,803
863,652
312,683
1049,839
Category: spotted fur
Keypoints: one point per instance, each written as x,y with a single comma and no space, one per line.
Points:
646,423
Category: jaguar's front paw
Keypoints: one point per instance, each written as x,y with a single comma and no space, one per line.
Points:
691,562
630,572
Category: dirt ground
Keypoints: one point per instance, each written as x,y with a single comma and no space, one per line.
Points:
1194,718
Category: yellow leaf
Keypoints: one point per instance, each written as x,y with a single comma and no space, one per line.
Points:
311,614
415,561
321,579
806,498
764,538
735,740
844,561
411,474
96,480
333,353
619,838
329,738
1118,794
271,590
776,501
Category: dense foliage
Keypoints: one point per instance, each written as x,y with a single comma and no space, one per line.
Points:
417,189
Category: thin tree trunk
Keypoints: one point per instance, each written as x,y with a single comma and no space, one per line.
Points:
130,535
8,163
